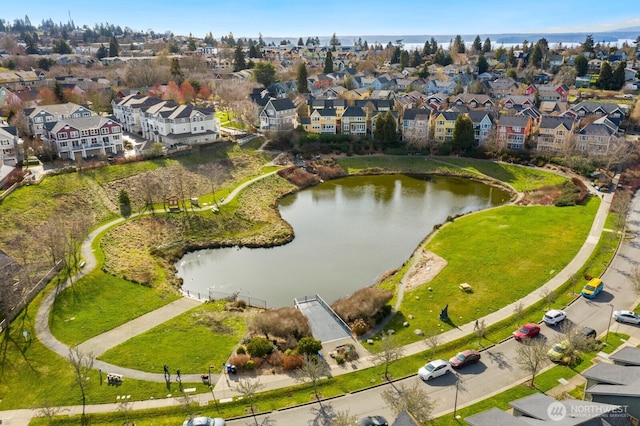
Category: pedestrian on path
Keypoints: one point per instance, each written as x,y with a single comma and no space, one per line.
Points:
178,377
476,326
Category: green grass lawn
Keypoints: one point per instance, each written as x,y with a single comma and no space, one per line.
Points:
207,332
101,302
492,251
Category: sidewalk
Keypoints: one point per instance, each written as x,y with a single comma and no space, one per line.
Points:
226,385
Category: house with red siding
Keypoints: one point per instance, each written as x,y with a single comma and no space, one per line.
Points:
513,131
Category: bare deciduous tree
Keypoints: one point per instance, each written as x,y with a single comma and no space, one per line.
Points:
125,407
413,399
432,341
621,205
481,331
312,371
344,418
248,390
634,277
390,351
518,311
82,364
532,356
49,411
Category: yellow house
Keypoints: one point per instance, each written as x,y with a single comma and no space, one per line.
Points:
554,133
356,95
324,121
443,126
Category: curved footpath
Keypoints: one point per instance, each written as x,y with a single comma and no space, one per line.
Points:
225,386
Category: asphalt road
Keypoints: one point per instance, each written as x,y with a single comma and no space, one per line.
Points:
497,369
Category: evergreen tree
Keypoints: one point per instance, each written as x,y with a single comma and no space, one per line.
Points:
300,42
404,59
426,49
477,44
114,47
458,45
301,78
581,65
434,45
191,43
102,52
209,40
264,73
463,134
176,71
395,56
482,64
511,58
536,56
238,59
606,74
260,41
380,131
61,47
334,42
348,83
365,46
328,63
390,129
253,53
588,44
57,91
617,79
416,59
486,47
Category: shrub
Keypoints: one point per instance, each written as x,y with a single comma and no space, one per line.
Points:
309,345
241,350
359,327
259,347
276,358
257,362
249,365
282,322
239,360
292,362
364,304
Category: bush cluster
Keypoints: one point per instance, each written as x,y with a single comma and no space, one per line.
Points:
283,323
363,304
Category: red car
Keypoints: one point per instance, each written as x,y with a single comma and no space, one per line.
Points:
527,331
465,358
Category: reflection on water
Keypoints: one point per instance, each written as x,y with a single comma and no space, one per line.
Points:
348,233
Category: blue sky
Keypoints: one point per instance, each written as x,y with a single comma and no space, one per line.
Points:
295,18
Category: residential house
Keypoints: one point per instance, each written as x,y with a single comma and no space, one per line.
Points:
556,60
416,124
127,111
512,131
10,152
444,123
356,94
278,114
373,118
599,137
555,134
535,410
435,100
473,101
338,104
615,384
354,121
627,355
323,121
380,83
515,103
172,124
501,87
482,125
440,86
600,109
76,138
37,117
8,99
556,93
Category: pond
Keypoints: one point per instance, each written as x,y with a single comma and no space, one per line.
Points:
348,233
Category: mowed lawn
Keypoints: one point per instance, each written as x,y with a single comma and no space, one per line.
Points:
205,335
100,302
503,253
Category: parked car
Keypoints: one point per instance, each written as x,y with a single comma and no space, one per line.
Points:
463,358
628,317
204,421
527,331
554,316
593,288
436,368
372,421
589,333
558,351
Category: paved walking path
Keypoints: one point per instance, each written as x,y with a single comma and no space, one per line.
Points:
226,384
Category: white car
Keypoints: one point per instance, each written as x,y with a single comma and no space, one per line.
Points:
204,421
626,316
554,316
436,368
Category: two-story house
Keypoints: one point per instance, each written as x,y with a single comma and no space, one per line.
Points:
324,121
599,137
599,109
440,86
76,138
416,125
9,145
472,100
555,134
278,114
512,131
482,125
37,117
173,124
354,121
443,126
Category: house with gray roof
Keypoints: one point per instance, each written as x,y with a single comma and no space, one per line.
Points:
599,137
416,125
84,137
628,355
10,152
554,133
354,121
539,409
615,383
37,117
278,114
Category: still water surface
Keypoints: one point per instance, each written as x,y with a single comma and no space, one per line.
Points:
348,232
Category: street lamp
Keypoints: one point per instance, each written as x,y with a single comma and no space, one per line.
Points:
212,394
606,339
